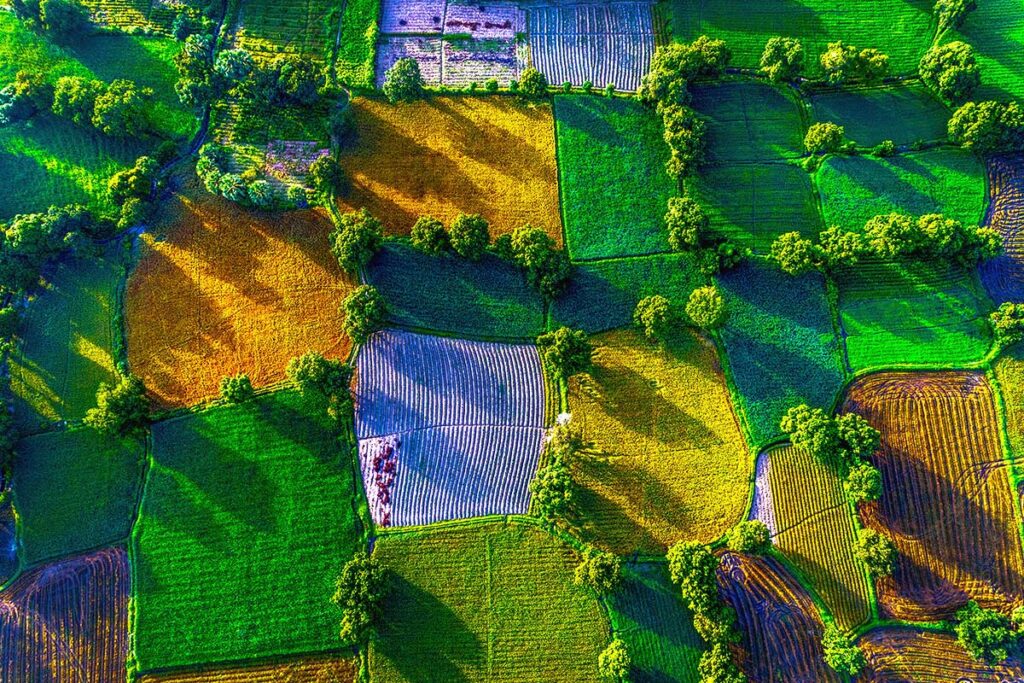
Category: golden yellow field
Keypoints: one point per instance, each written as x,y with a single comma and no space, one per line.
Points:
449,155
220,290
672,462
310,670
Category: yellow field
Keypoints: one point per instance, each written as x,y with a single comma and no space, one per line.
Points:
816,532
673,464
220,290
311,670
494,156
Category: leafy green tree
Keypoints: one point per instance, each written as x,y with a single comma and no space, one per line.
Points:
29,94
121,409
403,81
137,181
782,59
553,492
863,483
64,20
822,138
74,98
236,388
839,248
986,634
988,127
687,222
547,267
876,551
469,235
716,623
845,62
134,212
299,80
675,64
261,194
717,666
951,71
750,536
857,438
532,83
319,377
794,254
234,65
600,571
359,591
614,662
841,653
693,567
893,235
565,352
653,315
684,133
357,237
1007,323
951,13
197,85
232,186
706,307
327,177
120,110
429,236
812,429
365,312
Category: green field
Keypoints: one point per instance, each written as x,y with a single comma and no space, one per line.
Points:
611,172
602,294
780,345
946,181
489,297
915,313
484,602
749,121
755,203
900,28
74,491
249,512
65,341
996,32
649,615
903,114
357,43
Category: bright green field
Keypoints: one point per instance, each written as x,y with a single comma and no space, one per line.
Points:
357,44
602,294
648,613
903,114
946,181
611,172
780,344
996,32
65,342
74,491
755,203
248,515
489,297
484,602
906,314
900,28
749,121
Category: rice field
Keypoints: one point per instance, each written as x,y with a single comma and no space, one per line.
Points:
668,460
749,121
904,114
897,654
484,601
1003,276
940,444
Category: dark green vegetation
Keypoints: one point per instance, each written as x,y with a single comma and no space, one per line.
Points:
75,490
870,116
206,544
749,121
611,170
357,42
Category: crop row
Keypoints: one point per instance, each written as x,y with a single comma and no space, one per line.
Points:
1004,275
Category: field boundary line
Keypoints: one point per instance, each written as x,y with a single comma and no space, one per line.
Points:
1013,478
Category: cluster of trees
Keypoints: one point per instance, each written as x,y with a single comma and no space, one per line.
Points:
951,71
359,591
247,189
656,317
403,82
751,537
600,571
565,352
355,239
122,409
132,190
988,127
840,652
236,388
987,634
689,231
365,312
553,490
62,20
1007,323
323,380
614,661
783,60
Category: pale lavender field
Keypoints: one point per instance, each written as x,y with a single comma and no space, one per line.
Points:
763,508
426,51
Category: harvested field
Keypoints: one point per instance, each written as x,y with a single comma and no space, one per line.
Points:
205,545
996,32
220,290
597,43
447,428
1009,374
1003,276
67,621
749,120
815,530
904,114
947,181
491,602
912,313
65,341
649,615
486,298
905,655
946,502
779,623
668,459
602,295
611,165
780,344
306,670
75,490
451,155
426,50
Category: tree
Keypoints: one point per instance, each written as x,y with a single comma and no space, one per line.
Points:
840,651
782,59
121,409
750,536
951,13
469,235
951,71
863,483
565,352
813,430
653,315
359,591
684,134
403,81
986,634
547,267
988,126
357,237
614,663
1007,323
232,186
136,181
553,492
365,312
74,98
120,110
533,83
716,623
845,62
196,86
839,248
706,307
234,65
600,571
319,377
429,236
675,64
717,666
687,222
693,567
823,138
876,551
893,235
327,177
857,438
65,20
794,254
260,193
299,80
236,388
25,97
134,211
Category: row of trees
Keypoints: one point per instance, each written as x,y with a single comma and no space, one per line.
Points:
657,317
403,82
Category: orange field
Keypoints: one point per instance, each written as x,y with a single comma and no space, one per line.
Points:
946,503
449,155
220,290
899,655
780,625
67,621
311,670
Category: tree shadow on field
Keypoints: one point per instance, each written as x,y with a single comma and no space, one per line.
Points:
878,179
738,19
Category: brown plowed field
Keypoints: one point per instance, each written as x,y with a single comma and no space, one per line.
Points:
905,655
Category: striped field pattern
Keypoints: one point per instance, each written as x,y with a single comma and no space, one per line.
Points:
901,655
601,43
946,502
67,621
306,670
1004,275
763,508
465,419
